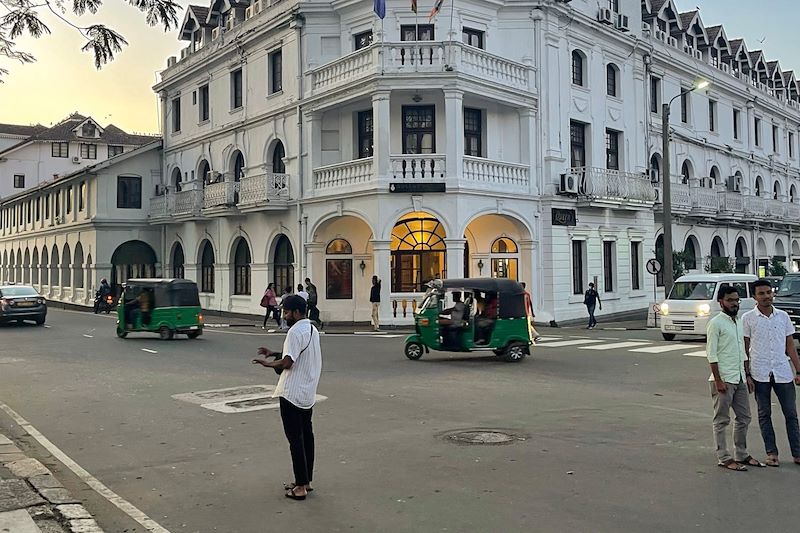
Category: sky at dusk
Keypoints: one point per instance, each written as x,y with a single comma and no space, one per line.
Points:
64,79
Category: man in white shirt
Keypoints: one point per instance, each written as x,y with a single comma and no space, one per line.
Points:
300,366
768,338
301,292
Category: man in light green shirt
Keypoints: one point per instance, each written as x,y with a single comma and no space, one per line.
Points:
730,381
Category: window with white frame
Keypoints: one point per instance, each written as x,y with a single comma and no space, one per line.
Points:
636,265
609,265
88,151
276,72
578,266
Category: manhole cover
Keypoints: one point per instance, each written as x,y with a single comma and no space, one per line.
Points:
235,391
483,436
253,402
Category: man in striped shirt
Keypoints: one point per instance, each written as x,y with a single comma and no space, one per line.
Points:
300,366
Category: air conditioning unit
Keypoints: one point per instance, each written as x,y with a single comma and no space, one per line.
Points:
569,183
171,60
622,23
660,35
231,23
605,15
161,189
672,41
249,12
724,67
734,183
215,33
698,55
654,177
76,159
258,7
212,176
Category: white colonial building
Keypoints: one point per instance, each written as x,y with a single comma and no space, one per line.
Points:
509,138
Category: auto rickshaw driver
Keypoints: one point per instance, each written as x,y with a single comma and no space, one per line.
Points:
451,321
486,319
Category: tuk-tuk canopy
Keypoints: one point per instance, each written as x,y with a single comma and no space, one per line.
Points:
168,292
510,294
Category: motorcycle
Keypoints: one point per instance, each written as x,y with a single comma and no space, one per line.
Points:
103,304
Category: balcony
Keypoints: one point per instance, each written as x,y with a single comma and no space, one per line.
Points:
349,174
755,207
705,202
600,187
420,167
421,57
731,205
264,192
176,206
221,197
487,174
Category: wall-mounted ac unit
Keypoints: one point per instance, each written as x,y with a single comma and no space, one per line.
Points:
698,54
249,12
734,184
258,6
569,183
215,33
76,159
622,23
605,15
672,41
171,60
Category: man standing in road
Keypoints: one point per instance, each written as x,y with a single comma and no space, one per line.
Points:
730,381
375,300
313,310
768,338
591,300
300,366
529,309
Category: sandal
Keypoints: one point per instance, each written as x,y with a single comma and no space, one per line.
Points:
772,460
751,461
291,486
291,495
730,464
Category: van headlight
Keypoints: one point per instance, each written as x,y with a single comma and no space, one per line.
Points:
703,310
664,309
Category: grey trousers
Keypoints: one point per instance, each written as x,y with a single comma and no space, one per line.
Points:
736,398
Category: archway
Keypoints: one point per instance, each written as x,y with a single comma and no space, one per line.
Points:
207,276
237,165
690,252
66,265
178,261
241,267
776,190
759,190
203,170
45,267
418,252
77,267
278,155
713,178
4,267
686,172
18,274
283,264
176,179
792,194
132,259
26,267
493,248
35,266
54,267
655,168
344,248
742,255
762,257
780,249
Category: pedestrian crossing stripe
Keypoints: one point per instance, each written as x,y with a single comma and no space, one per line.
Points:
701,353
574,342
660,349
614,345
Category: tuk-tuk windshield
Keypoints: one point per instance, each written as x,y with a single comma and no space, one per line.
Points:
185,296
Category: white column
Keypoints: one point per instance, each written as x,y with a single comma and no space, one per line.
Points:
454,132
381,267
455,257
315,146
223,286
381,141
527,138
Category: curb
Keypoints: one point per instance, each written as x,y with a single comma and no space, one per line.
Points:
50,506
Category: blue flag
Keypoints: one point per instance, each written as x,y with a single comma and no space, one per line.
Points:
379,7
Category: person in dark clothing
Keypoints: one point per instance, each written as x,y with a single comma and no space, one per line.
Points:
102,293
313,310
375,300
592,300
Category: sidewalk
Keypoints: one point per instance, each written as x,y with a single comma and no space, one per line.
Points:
33,501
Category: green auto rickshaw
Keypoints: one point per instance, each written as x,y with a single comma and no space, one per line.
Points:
163,306
486,314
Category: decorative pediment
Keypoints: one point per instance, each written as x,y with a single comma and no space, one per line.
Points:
193,20
88,129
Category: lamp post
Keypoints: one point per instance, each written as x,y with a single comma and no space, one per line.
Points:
666,200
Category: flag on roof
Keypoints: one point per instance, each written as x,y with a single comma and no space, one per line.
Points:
414,6
379,6
436,8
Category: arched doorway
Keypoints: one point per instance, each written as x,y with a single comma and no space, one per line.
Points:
133,259
762,257
35,266
759,186
238,173
241,267
690,253
742,256
178,261
714,178
206,267
26,267
54,267
339,270
45,267
655,168
176,179
18,275
418,252
203,171
686,172
504,259
278,155
66,267
283,264
77,267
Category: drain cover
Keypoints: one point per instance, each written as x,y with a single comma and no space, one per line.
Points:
483,436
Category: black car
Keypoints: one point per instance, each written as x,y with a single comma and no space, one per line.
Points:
22,302
788,299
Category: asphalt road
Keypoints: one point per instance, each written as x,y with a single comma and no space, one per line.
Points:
609,438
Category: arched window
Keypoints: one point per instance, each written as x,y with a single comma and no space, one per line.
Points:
690,254
759,186
339,270
238,167
278,154
792,194
776,191
504,258
203,171
418,252
77,266
207,268
655,168
577,68
686,172
284,264
178,261
713,178
241,268
176,179
54,267
612,80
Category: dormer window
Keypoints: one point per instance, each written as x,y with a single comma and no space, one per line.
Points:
88,130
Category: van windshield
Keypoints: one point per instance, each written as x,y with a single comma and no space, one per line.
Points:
693,290
790,286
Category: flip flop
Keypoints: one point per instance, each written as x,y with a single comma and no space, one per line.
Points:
291,495
291,486
730,464
772,461
751,461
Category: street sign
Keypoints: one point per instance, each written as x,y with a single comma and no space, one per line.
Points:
653,266
406,187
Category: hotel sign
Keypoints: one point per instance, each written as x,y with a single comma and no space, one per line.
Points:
564,217
412,187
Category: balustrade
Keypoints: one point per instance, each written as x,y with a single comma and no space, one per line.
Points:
344,174
495,172
731,202
604,184
705,199
418,166
220,194
263,187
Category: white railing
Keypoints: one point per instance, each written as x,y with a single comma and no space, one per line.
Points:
706,199
344,174
418,166
414,56
159,206
603,184
345,69
775,209
793,213
731,202
755,205
187,202
488,66
220,194
265,187
495,172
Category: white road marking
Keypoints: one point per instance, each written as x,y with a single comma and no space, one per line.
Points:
148,351
544,338
701,353
660,349
88,336
575,342
614,345
123,505
47,326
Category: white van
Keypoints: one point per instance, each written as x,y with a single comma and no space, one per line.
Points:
693,301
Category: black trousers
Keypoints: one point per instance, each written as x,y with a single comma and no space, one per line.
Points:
299,433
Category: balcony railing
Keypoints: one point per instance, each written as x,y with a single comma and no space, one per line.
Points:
704,199
496,172
755,206
263,188
186,202
731,203
348,173
418,166
160,206
421,56
614,185
220,194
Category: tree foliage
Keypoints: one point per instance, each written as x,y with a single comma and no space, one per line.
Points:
777,268
19,17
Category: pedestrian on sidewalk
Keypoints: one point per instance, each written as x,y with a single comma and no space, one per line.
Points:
270,302
591,299
300,366
730,381
313,310
375,300
768,338
302,292
286,293
529,308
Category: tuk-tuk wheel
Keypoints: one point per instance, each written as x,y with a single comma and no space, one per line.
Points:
413,350
668,336
165,333
515,352
121,333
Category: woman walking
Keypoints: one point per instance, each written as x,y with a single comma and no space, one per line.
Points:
270,301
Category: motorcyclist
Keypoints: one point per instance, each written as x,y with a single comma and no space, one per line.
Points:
101,294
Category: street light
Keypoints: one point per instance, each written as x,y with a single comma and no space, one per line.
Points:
666,200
